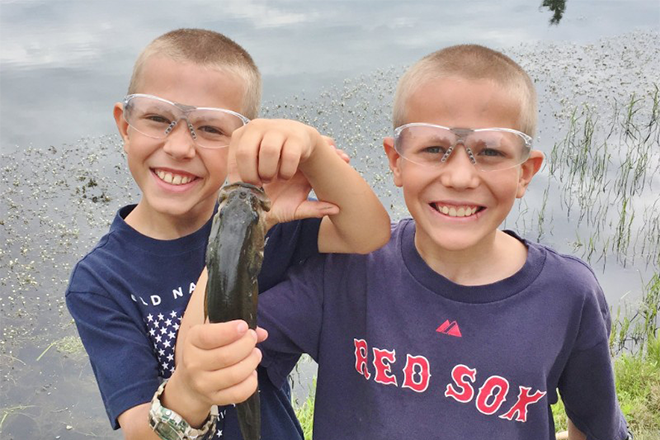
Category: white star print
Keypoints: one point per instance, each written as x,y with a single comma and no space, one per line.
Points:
162,329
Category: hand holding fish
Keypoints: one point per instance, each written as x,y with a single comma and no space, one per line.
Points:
290,201
287,193
216,366
269,149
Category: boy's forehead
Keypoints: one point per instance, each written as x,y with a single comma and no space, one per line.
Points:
463,100
190,83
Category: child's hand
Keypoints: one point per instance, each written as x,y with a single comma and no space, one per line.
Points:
269,149
289,201
289,198
218,365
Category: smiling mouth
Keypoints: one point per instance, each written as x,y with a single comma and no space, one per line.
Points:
457,211
173,178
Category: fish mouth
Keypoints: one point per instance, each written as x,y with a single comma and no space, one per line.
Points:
174,177
457,210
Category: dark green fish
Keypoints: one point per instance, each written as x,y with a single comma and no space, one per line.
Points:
233,257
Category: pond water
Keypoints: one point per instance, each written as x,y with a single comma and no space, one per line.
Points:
63,64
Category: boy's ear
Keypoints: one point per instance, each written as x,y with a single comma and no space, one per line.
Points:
122,125
527,170
394,160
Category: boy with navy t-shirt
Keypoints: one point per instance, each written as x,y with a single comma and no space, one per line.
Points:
454,329
184,131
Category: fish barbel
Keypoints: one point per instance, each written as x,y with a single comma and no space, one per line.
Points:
233,258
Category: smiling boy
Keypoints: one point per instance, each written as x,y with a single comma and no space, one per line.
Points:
184,126
455,329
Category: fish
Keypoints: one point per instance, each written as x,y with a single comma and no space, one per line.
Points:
234,255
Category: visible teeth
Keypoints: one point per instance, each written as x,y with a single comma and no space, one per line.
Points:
462,211
173,179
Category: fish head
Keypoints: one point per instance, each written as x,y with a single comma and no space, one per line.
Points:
244,193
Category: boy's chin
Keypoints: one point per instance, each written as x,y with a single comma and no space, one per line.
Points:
442,241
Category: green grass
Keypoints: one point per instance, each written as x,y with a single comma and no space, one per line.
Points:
638,389
305,414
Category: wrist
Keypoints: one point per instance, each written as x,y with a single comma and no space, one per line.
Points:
319,154
181,399
169,425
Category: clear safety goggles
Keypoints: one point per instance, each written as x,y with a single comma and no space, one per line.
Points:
156,118
489,149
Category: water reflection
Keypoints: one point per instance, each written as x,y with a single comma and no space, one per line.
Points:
557,7
65,63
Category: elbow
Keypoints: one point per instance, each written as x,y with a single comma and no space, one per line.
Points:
377,239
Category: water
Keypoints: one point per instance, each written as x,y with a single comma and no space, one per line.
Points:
63,64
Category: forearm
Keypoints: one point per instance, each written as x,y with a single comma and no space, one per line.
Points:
362,224
135,421
135,424
574,433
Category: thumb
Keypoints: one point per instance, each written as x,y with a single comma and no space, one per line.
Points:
315,209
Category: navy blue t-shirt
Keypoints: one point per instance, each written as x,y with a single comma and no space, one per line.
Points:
404,353
127,297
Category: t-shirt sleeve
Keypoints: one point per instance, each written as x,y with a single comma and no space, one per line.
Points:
292,313
121,356
587,381
288,244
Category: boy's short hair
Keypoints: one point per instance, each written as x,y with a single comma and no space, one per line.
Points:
473,62
210,49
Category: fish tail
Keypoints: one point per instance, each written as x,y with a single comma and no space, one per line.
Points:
249,417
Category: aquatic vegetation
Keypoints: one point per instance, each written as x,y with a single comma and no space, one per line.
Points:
602,173
596,198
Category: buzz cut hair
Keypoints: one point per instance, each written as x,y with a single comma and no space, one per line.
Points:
472,62
207,49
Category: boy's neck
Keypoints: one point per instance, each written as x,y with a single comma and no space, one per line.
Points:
497,257
166,227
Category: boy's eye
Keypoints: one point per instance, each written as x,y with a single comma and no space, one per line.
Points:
210,130
434,150
491,152
159,119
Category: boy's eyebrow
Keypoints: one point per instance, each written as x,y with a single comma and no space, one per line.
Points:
436,137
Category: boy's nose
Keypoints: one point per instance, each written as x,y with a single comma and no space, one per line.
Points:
458,171
179,143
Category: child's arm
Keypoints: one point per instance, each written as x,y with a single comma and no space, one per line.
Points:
217,367
574,433
269,151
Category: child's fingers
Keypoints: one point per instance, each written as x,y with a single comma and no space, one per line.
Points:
262,334
224,378
269,155
210,336
237,393
329,140
199,363
315,209
290,158
341,153
246,151
232,165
